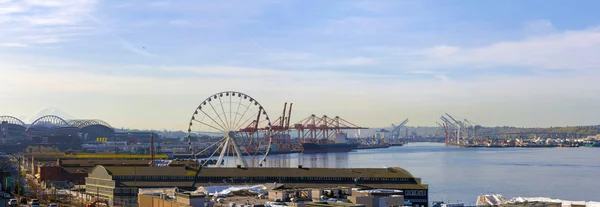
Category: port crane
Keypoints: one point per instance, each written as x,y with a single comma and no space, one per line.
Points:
321,129
281,128
396,130
450,129
392,135
458,132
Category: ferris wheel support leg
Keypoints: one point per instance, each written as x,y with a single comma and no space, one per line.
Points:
239,154
223,152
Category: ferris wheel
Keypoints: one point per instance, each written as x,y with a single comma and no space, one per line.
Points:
232,128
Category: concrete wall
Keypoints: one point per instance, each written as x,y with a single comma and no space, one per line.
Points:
395,201
50,173
193,201
377,201
276,194
316,194
366,200
389,201
153,201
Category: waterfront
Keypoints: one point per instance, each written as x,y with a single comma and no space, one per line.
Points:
460,174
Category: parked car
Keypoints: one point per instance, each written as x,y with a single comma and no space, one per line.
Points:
53,205
13,202
34,202
6,195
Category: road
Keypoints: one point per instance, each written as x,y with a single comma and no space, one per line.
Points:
4,203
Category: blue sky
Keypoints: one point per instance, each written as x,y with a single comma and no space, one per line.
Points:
147,64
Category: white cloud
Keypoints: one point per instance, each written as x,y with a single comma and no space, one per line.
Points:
441,51
572,50
10,8
33,22
13,44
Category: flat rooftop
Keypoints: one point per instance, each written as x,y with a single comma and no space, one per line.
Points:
392,172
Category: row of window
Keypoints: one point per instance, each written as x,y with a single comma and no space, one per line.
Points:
415,192
125,190
254,178
268,179
92,190
122,200
99,182
417,200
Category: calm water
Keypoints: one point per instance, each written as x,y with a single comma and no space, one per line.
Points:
461,174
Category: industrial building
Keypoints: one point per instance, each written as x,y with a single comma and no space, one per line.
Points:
76,171
119,184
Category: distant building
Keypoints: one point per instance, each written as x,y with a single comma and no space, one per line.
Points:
135,137
596,137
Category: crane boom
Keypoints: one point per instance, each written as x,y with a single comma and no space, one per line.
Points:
396,129
287,124
439,124
448,122
452,118
400,125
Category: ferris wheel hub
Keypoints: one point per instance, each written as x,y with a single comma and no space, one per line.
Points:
230,134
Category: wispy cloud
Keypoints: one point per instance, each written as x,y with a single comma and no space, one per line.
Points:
13,44
570,50
539,27
348,62
33,22
159,4
126,44
180,22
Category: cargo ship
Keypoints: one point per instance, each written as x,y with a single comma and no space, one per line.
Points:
339,144
373,146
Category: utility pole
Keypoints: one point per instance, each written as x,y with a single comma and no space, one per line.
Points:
152,149
18,175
